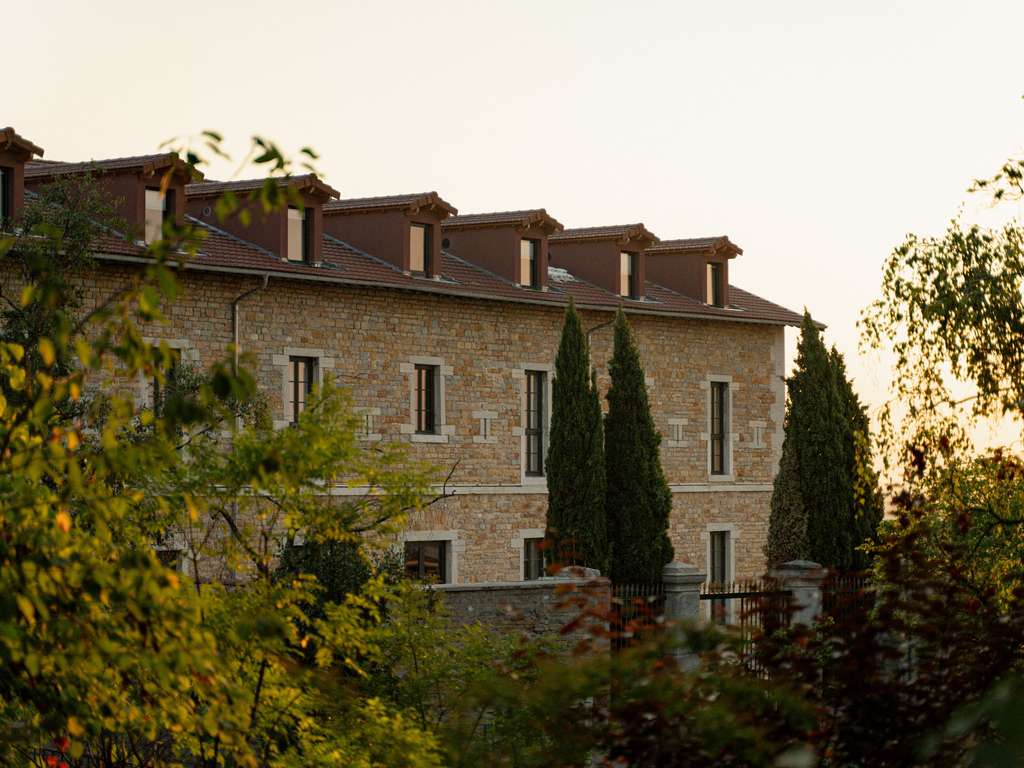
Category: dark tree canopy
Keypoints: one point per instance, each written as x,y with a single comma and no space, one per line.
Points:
576,530
638,500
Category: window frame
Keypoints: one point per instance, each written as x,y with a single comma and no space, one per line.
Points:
428,234
6,193
535,560
170,380
294,407
718,428
720,565
627,275
715,295
425,387
304,234
535,422
530,277
165,200
443,558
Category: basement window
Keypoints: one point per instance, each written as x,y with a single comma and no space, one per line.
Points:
298,235
427,561
419,249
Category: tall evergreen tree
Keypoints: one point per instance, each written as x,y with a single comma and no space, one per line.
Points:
576,529
638,500
825,500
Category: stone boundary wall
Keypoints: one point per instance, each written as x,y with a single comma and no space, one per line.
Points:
542,607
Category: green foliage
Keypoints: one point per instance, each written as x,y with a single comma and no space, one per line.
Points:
638,499
825,501
576,528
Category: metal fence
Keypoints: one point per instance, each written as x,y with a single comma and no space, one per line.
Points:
755,607
847,597
637,609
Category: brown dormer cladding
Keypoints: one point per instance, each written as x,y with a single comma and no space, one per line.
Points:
383,226
494,241
15,151
682,265
595,254
125,181
268,229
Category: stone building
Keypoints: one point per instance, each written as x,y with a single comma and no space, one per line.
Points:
445,327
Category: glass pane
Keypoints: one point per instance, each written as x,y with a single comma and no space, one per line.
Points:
296,235
528,254
625,265
412,560
417,247
154,215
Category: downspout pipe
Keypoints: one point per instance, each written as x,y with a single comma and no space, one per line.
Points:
235,321
597,327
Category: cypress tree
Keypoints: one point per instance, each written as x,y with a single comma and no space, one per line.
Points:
824,500
638,500
576,529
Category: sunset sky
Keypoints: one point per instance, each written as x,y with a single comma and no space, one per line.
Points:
813,134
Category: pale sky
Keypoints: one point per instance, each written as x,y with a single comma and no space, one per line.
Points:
813,134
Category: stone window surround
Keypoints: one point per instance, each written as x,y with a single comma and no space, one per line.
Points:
676,431
518,543
734,536
368,423
730,436
456,548
486,419
189,354
444,429
519,375
176,543
323,363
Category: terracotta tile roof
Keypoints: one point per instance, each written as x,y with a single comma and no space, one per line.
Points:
534,217
615,232
701,244
215,188
414,200
10,138
143,163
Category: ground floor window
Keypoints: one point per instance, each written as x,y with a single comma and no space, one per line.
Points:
533,559
719,571
427,561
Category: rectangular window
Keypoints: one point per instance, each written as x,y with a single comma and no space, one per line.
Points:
302,376
719,572
536,382
533,559
426,399
627,275
715,296
158,209
529,263
162,392
419,249
298,235
5,194
719,427
427,561
171,558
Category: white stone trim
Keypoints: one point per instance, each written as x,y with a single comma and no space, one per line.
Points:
519,542
730,436
519,375
676,434
444,429
734,535
456,548
280,361
538,490
758,428
486,419
368,424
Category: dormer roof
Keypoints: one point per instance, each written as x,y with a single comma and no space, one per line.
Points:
9,139
308,182
44,169
721,244
536,217
620,233
409,203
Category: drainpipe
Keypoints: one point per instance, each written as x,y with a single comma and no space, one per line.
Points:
234,317
597,327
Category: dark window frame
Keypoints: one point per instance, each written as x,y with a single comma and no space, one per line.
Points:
426,388
632,261
719,427
719,546
312,372
533,279
715,295
305,234
428,234
534,559
6,193
536,416
417,548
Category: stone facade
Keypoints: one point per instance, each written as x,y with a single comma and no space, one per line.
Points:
368,338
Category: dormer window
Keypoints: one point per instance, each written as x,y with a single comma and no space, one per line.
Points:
627,275
158,209
419,248
6,178
298,235
529,263
714,297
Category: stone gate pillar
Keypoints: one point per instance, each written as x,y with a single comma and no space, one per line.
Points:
804,580
682,604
